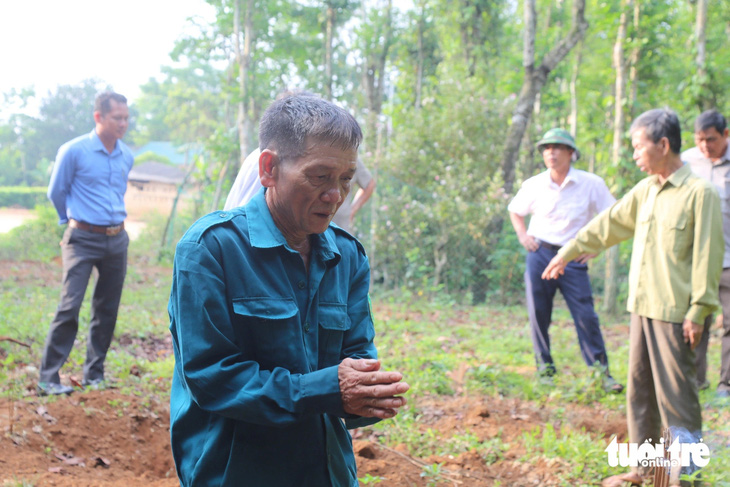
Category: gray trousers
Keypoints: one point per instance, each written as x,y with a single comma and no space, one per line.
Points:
81,252
662,386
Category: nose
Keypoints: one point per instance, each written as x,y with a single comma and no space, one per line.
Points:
332,196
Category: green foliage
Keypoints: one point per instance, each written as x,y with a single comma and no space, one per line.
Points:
22,196
36,239
28,144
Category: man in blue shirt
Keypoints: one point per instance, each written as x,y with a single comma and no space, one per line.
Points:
87,188
271,323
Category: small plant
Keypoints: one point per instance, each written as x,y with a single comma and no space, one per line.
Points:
432,473
370,479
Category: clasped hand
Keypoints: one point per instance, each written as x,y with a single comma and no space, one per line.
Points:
369,392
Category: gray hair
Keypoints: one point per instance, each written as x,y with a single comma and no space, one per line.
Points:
710,119
659,123
102,104
291,121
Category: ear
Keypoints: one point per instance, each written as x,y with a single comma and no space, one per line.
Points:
268,167
726,132
97,117
665,146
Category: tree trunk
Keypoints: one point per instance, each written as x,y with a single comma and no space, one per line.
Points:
243,58
328,36
374,78
573,119
703,100
610,291
421,60
634,60
535,79
173,211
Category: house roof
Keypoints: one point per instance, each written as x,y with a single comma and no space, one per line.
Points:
156,172
174,154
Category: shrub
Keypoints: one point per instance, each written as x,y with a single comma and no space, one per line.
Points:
37,239
22,196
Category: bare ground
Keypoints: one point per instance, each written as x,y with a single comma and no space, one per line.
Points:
107,438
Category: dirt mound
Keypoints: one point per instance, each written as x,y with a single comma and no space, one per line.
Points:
96,438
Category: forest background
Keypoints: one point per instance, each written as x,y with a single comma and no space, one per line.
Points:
452,96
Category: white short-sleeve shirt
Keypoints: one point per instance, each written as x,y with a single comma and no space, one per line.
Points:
559,211
247,183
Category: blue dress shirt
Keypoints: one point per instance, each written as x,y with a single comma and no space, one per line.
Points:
257,340
88,183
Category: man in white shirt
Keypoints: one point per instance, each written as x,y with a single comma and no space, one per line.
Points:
710,160
561,201
247,184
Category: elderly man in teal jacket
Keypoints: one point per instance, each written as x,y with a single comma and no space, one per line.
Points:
271,322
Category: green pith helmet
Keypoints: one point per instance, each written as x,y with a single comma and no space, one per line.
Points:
558,136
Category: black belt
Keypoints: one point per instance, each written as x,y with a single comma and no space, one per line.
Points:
110,230
548,246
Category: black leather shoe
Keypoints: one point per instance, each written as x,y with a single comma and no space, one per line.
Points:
53,389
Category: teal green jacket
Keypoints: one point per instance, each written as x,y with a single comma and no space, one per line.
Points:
255,396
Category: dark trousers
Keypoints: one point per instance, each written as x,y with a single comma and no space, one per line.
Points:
81,252
576,289
725,302
701,350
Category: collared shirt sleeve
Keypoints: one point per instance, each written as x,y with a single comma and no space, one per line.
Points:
358,342
602,197
605,230
60,184
521,204
210,363
707,254
362,175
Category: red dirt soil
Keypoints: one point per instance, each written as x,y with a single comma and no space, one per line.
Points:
105,439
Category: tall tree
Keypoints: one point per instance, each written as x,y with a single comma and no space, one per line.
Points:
243,33
610,292
376,35
704,101
535,78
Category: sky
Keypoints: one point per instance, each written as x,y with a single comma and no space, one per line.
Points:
46,43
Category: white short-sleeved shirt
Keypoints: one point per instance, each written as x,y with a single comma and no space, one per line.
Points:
558,212
247,183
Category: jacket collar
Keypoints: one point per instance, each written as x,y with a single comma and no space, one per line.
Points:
263,232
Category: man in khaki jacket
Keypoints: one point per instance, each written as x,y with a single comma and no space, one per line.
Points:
674,218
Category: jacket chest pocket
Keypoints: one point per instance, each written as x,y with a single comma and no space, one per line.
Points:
267,329
334,322
674,232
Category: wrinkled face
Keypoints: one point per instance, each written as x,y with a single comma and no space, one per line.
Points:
557,157
308,191
649,156
712,143
114,123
